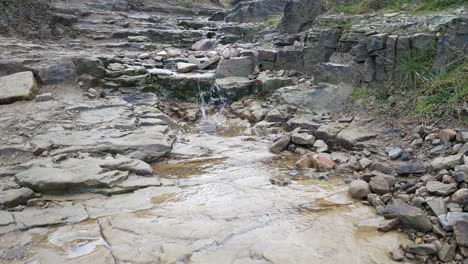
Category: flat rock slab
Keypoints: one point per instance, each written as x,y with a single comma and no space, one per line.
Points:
139,200
18,86
80,174
321,97
37,217
148,143
353,135
439,188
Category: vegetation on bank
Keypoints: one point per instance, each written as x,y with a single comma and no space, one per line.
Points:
421,93
416,6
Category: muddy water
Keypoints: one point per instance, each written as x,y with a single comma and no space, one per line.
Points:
221,208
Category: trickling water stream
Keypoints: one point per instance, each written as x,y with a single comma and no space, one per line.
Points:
211,123
216,205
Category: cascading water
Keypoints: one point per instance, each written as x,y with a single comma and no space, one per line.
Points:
211,123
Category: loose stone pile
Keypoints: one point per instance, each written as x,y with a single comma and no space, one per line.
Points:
419,187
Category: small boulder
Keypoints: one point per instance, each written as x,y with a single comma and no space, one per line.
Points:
383,168
422,249
395,153
15,197
439,188
460,229
447,252
320,146
280,144
410,216
18,86
411,168
358,189
397,255
303,139
379,185
449,162
236,67
437,205
322,162
144,56
186,67
203,45
461,197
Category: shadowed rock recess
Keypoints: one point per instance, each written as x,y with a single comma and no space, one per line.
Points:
206,131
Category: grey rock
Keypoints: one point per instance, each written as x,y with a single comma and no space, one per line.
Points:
422,249
268,85
299,13
395,153
265,55
353,135
40,217
304,122
288,59
410,216
203,45
446,162
461,197
235,88
365,162
447,221
383,168
18,86
6,218
379,185
439,188
280,144
15,197
411,168
328,132
90,66
462,135
61,71
460,229
235,67
320,146
417,143
186,67
81,174
183,86
397,255
255,11
302,139
422,41
358,189
447,252
437,205
377,42
208,63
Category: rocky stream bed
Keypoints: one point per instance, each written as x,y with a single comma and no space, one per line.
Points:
153,132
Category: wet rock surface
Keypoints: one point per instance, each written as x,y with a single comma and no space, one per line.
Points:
160,133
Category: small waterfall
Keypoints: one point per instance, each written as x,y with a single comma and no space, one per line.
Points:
201,101
212,98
